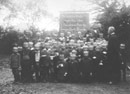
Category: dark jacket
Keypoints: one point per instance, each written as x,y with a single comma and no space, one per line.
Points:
86,65
113,55
15,59
45,61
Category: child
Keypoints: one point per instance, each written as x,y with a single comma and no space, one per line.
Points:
45,62
62,68
15,64
73,67
86,67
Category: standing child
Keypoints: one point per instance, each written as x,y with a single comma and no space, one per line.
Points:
86,67
73,67
15,64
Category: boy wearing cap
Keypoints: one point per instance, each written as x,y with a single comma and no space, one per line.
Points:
15,64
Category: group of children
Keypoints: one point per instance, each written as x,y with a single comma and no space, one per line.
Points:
57,61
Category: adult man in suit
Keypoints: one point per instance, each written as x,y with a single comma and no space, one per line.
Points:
114,60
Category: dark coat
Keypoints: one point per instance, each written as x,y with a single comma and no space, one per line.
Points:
113,52
55,61
26,58
86,65
73,70
62,70
15,60
45,61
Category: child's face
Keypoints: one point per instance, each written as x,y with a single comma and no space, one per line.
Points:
97,49
15,50
25,45
86,53
37,48
72,56
122,46
90,48
20,49
56,53
61,56
91,40
101,35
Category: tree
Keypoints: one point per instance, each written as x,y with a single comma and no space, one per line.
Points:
114,13
10,36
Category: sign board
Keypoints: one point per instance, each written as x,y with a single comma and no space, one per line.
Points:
72,21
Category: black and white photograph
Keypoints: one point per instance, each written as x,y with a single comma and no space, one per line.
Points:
64,46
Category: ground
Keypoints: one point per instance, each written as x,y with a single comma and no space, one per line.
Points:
7,86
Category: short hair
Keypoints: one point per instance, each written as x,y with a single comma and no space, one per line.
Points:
111,29
25,44
15,48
